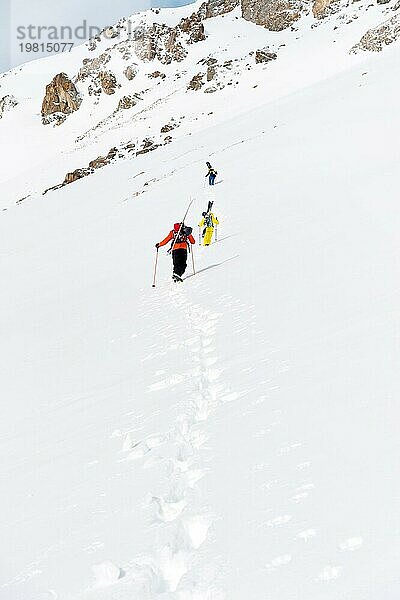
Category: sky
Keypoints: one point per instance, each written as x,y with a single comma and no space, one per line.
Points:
17,15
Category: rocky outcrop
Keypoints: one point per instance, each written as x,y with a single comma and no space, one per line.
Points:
97,163
127,102
169,126
265,55
320,8
7,103
108,82
92,66
156,74
211,72
215,8
75,175
61,99
275,15
102,161
193,27
377,38
168,44
131,71
148,145
160,42
196,83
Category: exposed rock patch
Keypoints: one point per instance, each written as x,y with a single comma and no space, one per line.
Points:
169,126
131,71
61,99
156,74
215,8
127,102
196,83
265,55
377,38
92,66
147,145
275,15
211,72
108,82
324,8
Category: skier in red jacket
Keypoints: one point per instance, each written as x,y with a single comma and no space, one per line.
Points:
181,236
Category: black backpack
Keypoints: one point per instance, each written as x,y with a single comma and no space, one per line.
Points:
183,234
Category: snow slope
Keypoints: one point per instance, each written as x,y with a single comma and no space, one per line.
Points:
35,157
234,436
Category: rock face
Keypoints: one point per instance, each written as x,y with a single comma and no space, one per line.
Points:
7,103
102,161
214,8
131,71
156,74
127,102
61,99
275,15
91,67
320,8
193,27
196,83
75,175
168,44
265,55
211,72
108,82
377,38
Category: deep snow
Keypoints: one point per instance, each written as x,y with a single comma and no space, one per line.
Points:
235,436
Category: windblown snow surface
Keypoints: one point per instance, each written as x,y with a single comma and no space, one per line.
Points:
235,436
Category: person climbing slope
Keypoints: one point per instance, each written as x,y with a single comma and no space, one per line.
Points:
208,222
212,174
181,236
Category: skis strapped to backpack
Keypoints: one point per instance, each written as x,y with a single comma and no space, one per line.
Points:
181,233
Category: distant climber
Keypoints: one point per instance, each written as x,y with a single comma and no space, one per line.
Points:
180,236
212,174
208,222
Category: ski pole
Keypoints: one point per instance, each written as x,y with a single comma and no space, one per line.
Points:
199,235
155,270
216,233
194,270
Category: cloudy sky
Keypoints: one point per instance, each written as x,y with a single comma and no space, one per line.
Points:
17,15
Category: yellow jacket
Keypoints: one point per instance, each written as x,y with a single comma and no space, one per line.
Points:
214,221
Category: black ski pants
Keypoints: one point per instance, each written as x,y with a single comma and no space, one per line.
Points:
179,258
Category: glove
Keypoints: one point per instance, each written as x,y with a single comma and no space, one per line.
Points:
157,246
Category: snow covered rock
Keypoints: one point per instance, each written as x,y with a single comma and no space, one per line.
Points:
320,7
61,99
127,102
7,103
275,15
215,8
377,38
196,83
92,66
108,82
75,175
265,55
131,71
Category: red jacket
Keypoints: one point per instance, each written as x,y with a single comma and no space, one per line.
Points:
178,245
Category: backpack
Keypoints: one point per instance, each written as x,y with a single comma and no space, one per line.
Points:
208,220
182,236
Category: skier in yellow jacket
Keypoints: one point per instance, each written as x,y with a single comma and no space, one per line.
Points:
208,222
